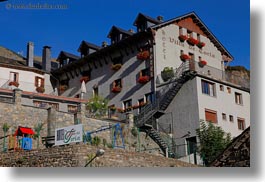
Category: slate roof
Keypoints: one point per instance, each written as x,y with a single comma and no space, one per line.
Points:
114,28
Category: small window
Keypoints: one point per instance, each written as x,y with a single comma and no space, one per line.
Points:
210,116
238,98
181,52
141,104
145,72
13,76
241,123
149,98
208,88
224,116
39,82
180,31
231,118
95,91
127,105
189,34
221,88
229,90
72,109
117,83
198,37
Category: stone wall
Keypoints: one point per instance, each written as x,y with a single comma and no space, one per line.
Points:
78,155
16,114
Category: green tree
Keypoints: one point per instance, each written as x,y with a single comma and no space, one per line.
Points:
5,130
213,140
97,106
38,129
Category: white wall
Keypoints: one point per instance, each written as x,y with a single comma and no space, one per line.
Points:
225,103
26,79
168,49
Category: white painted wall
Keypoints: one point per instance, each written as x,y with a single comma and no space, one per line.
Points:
26,80
225,103
168,49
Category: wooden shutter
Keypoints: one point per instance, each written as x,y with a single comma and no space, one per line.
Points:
211,116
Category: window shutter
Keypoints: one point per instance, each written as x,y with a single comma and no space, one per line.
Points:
211,116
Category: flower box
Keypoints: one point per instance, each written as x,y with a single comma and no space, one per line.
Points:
143,79
202,63
116,66
143,55
167,73
182,38
16,84
116,89
201,44
40,89
84,78
192,41
184,57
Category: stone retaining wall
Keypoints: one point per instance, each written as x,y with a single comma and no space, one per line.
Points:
78,155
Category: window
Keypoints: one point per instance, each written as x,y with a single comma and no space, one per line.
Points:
231,118
42,104
95,91
224,116
39,82
13,76
117,83
210,115
221,88
241,123
208,88
191,145
238,98
145,72
141,104
198,37
229,90
127,105
180,31
112,110
149,98
72,109
189,33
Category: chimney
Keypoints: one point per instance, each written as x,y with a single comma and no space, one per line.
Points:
160,18
104,44
30,54
46,58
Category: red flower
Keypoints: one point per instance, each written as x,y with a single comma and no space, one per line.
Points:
201,44
16,84
192,41
202,63
182,38
184,57
84,78
143,79
116,89
143,55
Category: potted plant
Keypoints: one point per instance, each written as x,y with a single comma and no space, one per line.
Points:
116,89
84,78
116,66
182,38
167,73
202,63
201,44
13,83
143,79
40,89
143,55
184,57
192,41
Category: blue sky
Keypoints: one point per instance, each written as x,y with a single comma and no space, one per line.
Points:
228,20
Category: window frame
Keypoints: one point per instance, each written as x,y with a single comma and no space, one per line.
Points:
238,101
211,112
207,91
37,79
14,76
241,124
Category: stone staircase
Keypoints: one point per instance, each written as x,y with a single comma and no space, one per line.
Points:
145,119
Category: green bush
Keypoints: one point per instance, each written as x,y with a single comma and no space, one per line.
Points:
96,141
167,73
134,131
98,106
